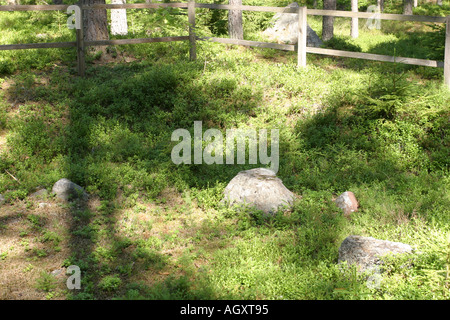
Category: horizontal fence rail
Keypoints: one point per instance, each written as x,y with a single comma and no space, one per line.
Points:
381,16
300,47
247,8
43,45
46,7
250,43
376,57
94,6
134,41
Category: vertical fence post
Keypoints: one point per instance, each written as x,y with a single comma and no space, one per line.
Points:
302,32
192,36
447,54
80,47
354,30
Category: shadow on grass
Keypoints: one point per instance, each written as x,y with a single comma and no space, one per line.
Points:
421,45
375,142
117,144
114,139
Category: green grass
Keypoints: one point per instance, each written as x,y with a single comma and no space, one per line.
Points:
154,230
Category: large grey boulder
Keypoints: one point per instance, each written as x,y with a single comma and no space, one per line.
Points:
284,29
258,188
367,252
67,190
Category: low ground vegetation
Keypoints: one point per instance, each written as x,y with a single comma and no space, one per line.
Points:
155,230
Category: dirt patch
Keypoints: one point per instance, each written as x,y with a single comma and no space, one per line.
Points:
3,145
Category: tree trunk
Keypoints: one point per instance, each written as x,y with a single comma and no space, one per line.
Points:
408,7
119,19
354,27
439,3
416,3
235,28
327,21
380,5
95,23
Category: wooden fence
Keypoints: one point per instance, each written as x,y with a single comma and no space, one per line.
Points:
191,6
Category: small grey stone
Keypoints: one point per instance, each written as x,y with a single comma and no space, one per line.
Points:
67,190
2,199
259,188
57,272
347,202
366,252
284,29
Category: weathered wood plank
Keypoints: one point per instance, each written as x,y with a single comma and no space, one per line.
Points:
376,57
137,6
249,43
447,54
331,52
81,57
382,16
354,26
96,6
134,41
192,37
38,45
302,32
245,8
33,7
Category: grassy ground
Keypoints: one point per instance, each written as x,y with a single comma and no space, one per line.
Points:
154,230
